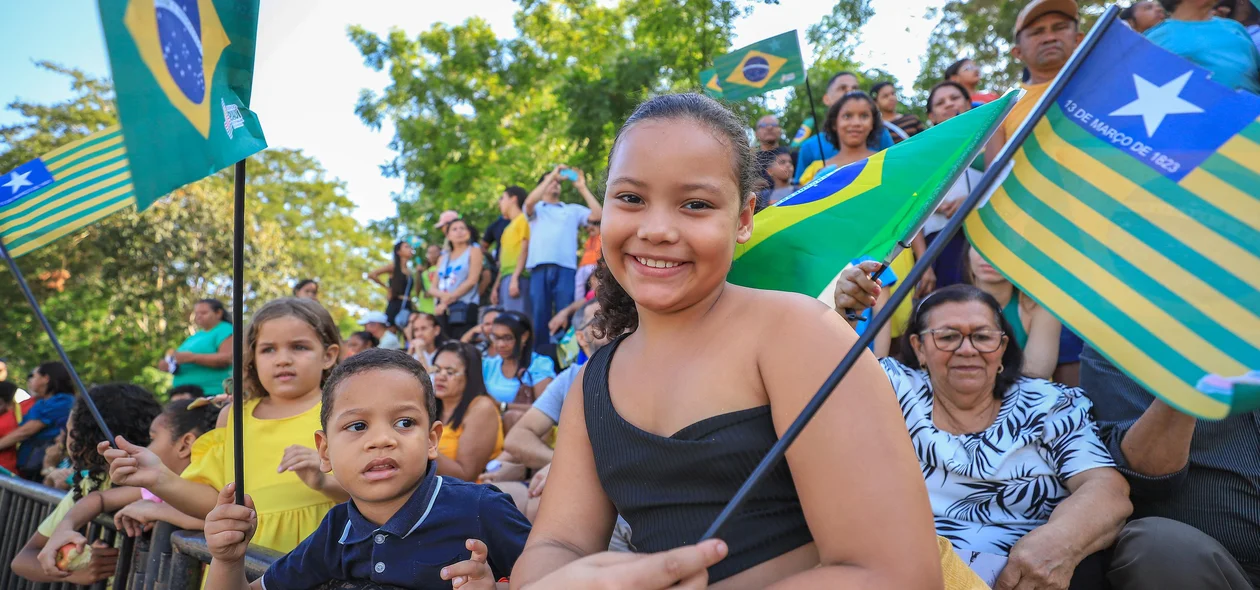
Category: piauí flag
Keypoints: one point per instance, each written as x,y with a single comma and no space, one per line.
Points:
709,81
1132,212
183,71
761,67
64,191
802,242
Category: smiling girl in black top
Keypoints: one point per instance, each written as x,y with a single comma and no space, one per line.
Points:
668,421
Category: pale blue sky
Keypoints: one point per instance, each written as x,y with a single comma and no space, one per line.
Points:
308,76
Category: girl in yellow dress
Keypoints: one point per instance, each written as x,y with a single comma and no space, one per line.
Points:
291,347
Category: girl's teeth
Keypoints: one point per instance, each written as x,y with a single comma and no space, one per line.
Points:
655,263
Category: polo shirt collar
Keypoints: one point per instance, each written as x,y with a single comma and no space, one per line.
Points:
405,521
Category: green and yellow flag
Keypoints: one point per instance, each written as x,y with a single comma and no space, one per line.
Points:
64,191
802,242
766,65
1132,212
183,71
709,82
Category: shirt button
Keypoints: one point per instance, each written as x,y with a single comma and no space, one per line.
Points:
380,539
380,567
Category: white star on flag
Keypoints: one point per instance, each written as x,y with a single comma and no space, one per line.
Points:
17,181
1153,103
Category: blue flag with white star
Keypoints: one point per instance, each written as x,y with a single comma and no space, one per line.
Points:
1132,212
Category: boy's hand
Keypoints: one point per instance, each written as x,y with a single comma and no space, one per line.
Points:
130,465
473,573
514,287
229,527
304,461
136,517
48,555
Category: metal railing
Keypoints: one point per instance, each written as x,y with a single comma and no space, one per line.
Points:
165,559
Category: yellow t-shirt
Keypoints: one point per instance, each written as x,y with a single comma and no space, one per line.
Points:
288,510
514,235
1023,108
448,445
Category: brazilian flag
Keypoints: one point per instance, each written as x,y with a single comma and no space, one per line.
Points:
766,65
183,71
709,82
801,243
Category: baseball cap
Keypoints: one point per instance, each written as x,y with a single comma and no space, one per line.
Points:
1039,8
378,317
446,218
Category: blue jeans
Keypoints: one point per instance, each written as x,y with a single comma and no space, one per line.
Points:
550,290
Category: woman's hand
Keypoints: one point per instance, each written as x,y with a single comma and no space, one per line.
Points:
1041,560
137,517
48,555
183,357
855,289
303,461
229,527
131,465
927,283
539,481
684,567
506,472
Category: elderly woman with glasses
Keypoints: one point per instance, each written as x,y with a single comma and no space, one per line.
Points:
1013,465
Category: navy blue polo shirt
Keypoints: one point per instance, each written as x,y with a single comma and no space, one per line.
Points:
424,536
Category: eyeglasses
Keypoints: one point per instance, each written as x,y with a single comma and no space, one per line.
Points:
969,68
767,125
450,372
502,337
950,340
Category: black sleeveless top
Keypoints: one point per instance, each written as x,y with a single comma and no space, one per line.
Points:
671,489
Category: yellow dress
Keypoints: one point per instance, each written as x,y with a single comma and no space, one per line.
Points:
448,445
288,510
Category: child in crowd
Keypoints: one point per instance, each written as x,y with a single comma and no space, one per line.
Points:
426,335
189,392
129,411
171,438
404,525
290,349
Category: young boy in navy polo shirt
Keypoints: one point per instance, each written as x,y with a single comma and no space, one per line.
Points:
404,525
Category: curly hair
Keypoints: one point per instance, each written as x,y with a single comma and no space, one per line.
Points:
833,114
127,409
306,310
618,313
376,359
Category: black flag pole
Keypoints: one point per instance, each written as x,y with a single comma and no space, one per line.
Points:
991,176
818,123
61,352
238,332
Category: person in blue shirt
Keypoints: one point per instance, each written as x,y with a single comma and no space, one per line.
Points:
53,390
1221,46
404,525
840,85
516,364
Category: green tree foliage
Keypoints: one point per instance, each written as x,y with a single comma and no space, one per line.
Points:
119,293
474,113
982,30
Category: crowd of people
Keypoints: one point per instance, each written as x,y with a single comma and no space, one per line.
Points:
478,427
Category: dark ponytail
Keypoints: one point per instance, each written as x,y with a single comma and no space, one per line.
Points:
618,314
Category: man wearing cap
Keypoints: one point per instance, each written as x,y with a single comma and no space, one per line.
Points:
445,219
1046,34
553,244
377,324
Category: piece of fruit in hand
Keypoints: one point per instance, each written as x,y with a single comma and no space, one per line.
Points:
72,558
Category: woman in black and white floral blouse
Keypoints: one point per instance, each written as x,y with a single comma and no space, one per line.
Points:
1013,465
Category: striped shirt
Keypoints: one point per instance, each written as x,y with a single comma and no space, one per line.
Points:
1217,492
